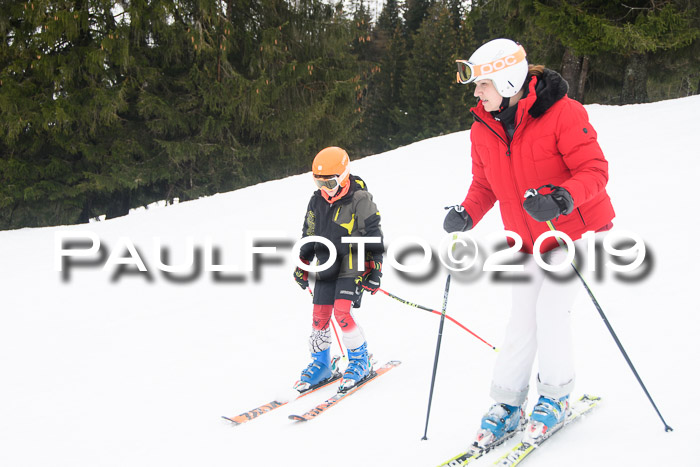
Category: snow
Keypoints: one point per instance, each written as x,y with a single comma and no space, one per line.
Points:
135,369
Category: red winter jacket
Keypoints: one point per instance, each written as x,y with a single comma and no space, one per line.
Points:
553,143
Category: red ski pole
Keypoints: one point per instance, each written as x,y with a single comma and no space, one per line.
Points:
414,305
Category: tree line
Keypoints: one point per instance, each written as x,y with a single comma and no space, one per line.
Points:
106,106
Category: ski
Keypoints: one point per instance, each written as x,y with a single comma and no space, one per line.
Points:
520,452
475,451
275,404
328,403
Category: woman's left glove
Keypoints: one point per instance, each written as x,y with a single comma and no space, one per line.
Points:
371,279
544,208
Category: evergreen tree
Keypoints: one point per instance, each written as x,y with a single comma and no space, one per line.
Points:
307,86
631,30
676,72
456,13
434,103
185,94
515,20
415,12
106,108
379,121
59,109
390,18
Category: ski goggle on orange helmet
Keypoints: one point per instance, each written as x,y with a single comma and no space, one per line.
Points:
468,72
327,182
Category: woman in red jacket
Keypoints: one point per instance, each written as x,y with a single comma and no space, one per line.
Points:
528,134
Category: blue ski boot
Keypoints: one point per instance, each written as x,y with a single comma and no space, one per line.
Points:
318,370
501,422
359,367
547,415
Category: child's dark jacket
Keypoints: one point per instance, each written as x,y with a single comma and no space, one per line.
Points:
353,215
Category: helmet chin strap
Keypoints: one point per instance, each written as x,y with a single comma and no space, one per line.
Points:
340,192
504,104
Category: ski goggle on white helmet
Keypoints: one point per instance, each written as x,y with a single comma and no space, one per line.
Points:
500,60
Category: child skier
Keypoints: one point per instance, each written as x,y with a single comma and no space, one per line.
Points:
341,207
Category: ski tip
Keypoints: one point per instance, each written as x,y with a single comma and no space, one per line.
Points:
297,418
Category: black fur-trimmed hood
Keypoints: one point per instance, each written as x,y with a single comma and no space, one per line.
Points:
549,89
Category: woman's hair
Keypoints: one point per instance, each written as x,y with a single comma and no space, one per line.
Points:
535,70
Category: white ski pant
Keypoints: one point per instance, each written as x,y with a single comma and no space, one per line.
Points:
539,325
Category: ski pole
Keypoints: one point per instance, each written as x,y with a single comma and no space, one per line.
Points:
437,355
415,305
334,329
337,338
612,332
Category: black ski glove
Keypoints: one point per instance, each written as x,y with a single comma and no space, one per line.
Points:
301,276
457,220
372,278
544,208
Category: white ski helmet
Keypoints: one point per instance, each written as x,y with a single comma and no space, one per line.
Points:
500,60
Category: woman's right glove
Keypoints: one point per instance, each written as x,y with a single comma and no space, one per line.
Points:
457,220
544,208
301,276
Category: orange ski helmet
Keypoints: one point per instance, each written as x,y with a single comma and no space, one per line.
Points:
331,169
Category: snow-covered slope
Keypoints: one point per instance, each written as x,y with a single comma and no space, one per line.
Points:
103,368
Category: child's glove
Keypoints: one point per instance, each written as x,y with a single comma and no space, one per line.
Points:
371,279
301,276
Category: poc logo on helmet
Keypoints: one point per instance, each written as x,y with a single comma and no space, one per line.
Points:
497,65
